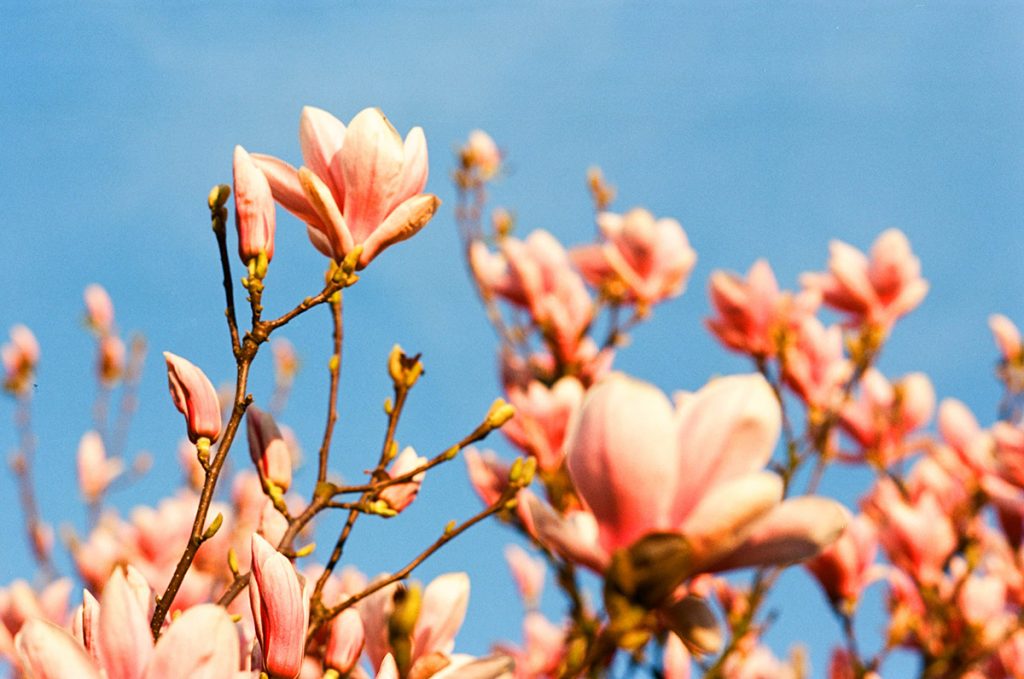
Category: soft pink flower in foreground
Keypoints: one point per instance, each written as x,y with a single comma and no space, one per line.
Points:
876,291
640,469
815,367
401,495
99,309
1007,337
883,416
847,566
194,397
360,185
537,275
649,259
95,469
201,644
268,449
280,609
442,610
255,214
46,651
542,417
19,358
752,316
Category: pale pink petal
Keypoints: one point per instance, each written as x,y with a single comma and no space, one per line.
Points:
575,537
405,221
321,137
371,162
441,614
677,658
125,640
335,228
286,188
415,166
48,652
201,644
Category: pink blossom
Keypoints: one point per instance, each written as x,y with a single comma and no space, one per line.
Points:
917,535
19,358
194,397
268,449
846,567
401,495
280,609
344,642
640,468
360,186
883,416
286,361
95,469
536,274
1007,337
876,291
488,475
480,153
543,648
99,309
815,367
110,363
255,216
542,417
648,259
752,315
48,652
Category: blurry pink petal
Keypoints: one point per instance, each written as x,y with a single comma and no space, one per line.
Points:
388,668
344,642
527,572
621,457
574,536
727,429
201,644
441,614
99,309
1007,337
125,642
48,652
677,658
795,530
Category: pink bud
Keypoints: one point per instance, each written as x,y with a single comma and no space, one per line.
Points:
268,449
528,573
110,365
401,495
254,209
480,153
344,642
280,609
19,358
95,470
99,309
194,397
1007,337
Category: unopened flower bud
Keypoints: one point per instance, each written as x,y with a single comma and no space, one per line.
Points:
194,397
268,449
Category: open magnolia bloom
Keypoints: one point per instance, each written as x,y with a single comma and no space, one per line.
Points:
673,493
360,185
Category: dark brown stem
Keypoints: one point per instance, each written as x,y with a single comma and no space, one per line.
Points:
332,399
219,218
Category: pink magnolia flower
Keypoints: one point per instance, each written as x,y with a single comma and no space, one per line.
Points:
99,310
268,449
344,642
542,417
480,153
883,416
361,185
640,469
255,215
815,367
876,291
543,648
19,358
442,611
280,609
194,397
752,315
536,274
401,495
648,260
917,535
110,363
95,469
847,566
488,474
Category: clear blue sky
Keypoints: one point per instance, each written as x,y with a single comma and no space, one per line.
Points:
766,129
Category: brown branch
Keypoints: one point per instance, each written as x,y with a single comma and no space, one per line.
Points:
332,400
218,217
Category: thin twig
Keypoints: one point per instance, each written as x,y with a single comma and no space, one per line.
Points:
332,399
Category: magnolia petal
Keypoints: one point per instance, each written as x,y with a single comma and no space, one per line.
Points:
321,137
795,530
371,162
125,642
405,221
441,614
286,188
201,644
48,652
414,166
561,535
335,228
727,514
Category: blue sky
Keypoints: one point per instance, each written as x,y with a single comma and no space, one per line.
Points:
765,128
